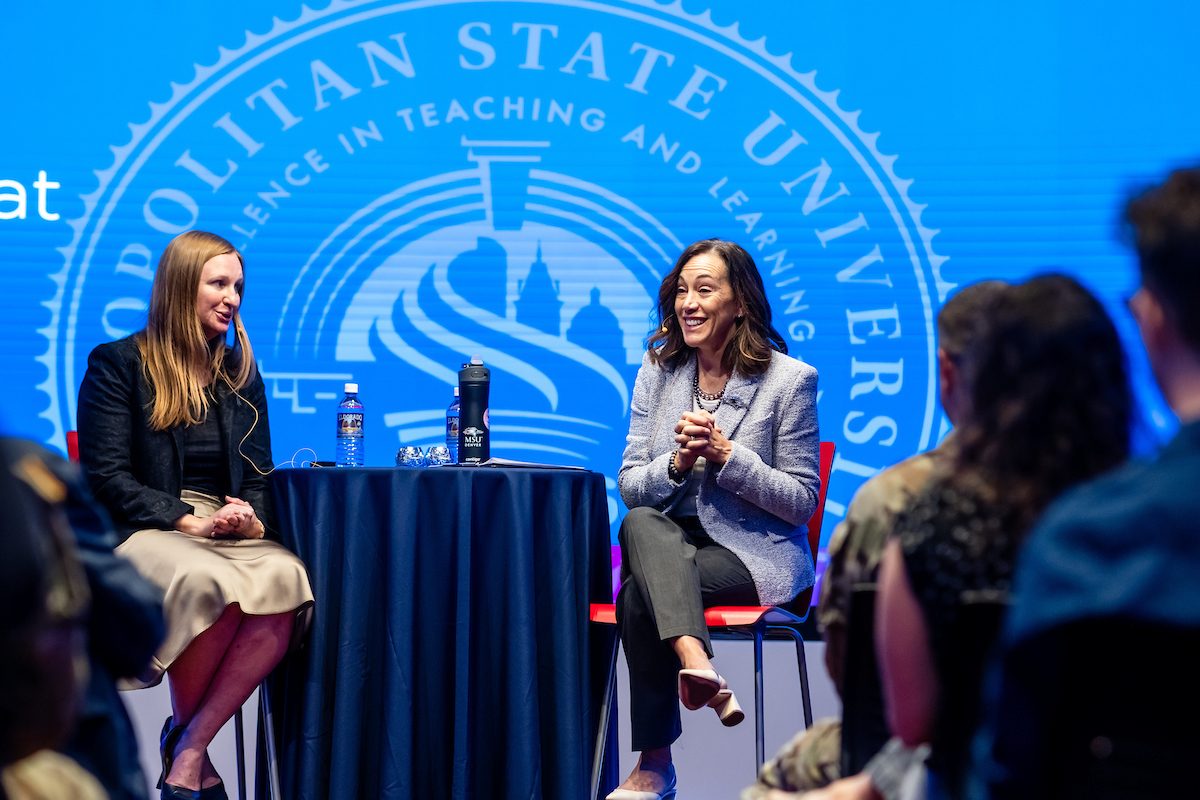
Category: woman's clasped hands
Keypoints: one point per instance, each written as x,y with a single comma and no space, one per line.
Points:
698,434
234,520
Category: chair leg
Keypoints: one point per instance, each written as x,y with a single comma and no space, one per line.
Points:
605,713
239,738
802,665
759,728
805,696
267,720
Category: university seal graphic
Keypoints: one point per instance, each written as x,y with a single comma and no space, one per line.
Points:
416,183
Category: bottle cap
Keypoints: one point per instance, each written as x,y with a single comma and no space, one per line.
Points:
476,361
456,391
351,388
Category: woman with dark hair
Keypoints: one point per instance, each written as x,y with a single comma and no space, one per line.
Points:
1050,407
720,473
174,442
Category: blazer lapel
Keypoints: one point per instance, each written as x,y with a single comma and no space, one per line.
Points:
677,395
738,393
177,439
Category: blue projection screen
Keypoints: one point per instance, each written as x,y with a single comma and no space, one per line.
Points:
414,183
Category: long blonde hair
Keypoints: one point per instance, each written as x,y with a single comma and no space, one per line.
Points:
178,362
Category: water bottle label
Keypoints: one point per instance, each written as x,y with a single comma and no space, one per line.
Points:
474,448
452,428
350,424
472,437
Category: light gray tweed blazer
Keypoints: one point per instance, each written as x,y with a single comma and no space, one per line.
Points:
758,502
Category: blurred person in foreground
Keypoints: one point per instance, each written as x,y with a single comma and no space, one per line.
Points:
1122,549
720,473
175,444
1050,407
124,626
43,600
812,758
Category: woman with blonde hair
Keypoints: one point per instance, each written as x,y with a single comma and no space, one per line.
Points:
173,439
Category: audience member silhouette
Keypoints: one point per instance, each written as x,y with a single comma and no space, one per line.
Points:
1117,557
43,602
124,626
811,759
1050,407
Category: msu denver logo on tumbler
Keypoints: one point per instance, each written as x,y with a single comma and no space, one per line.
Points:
416,183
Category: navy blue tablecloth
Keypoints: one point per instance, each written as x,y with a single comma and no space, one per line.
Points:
450,654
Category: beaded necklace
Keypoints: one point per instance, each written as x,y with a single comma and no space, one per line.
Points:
703,398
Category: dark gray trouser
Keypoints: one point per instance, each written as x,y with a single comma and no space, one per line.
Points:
669,576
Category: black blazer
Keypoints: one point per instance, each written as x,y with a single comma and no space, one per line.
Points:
136,472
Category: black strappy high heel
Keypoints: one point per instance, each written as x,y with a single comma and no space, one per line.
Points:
168,740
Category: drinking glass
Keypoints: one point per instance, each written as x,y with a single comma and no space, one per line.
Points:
437,455
410,456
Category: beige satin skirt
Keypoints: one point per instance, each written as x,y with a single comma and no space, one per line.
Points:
200,578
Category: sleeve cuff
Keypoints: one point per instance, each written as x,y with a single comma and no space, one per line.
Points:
733,471
894,769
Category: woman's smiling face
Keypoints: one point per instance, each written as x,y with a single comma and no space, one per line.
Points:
704,303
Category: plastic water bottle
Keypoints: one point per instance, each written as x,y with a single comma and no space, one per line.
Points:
474,438
350,446
452,417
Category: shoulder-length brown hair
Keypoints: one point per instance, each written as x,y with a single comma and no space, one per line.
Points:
178,362
1051,403
749,349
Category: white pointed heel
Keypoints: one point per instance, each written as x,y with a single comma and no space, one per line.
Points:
668,792
729,711
697,687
